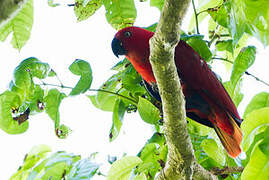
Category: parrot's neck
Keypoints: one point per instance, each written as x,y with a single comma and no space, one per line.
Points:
143,67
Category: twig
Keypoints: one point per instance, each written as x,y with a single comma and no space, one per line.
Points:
246,72
226,170
196,17
98,90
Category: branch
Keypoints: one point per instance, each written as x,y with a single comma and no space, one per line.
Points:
181,162
226,170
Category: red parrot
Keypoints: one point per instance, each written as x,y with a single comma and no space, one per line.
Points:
207,101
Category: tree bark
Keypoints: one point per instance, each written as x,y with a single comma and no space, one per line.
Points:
181,162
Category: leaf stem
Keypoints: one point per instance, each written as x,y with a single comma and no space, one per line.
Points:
246,72
97,90
196,17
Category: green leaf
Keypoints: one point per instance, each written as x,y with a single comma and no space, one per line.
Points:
52,4
147,111
10,101
202,6
83,69
106,100
85,10
83,169
234,91
120,13
23,77
220,14
36,100
225,45
257,102
213,150
118,114
121,169
258,166
254,123
200,46
157,3
52,103
37,152
54,166
152,156
251,17
264,145
243,61
20,25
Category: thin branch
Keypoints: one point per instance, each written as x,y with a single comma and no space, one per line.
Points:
246,72
181,162
226,170
196,17
97,90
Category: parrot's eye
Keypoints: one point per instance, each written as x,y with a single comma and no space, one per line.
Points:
127,34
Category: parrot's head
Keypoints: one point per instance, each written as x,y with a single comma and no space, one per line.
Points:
130,40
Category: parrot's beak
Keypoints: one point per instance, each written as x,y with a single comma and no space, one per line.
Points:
117,47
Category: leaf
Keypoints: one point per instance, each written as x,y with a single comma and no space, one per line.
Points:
83,69
105,100
254,123
225,45
220,14
200,47
157,3
37,152
121,169
52,103
148,112
85,10
118,114
20,25
213,150
202,6
258,166
264,145
257,102
120,13
83,169
23,77
234,91
243,61
10,101
52,4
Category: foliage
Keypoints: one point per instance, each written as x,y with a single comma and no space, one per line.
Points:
41,164
229,26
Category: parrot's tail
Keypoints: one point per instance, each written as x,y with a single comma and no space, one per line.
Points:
230,142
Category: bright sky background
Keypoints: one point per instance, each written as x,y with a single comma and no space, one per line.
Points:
58,40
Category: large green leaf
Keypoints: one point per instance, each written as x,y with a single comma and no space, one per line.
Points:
83,69
258,166
20,25
120,13
200,46
10,101
213,150
257,102
23,77
264,145
121,169
157,3
85,10
52,104
118,114
254,123
83,169
148,112
243,61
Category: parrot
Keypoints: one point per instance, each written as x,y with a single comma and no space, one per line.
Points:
207,101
